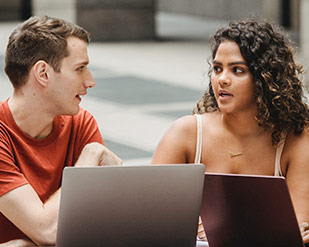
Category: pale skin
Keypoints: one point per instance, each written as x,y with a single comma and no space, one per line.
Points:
234,128
45,95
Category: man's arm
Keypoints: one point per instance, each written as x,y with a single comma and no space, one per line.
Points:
38,220
23,207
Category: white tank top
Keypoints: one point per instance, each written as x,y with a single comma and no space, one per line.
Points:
199,142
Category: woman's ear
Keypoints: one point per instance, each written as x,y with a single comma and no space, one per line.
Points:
40,72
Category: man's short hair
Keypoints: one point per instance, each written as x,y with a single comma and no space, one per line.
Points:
39,38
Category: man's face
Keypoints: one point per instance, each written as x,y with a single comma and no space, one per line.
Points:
73,80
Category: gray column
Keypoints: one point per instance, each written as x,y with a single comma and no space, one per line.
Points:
272,10
10,10
114,20
64,9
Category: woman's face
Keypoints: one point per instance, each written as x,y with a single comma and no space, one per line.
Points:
232,81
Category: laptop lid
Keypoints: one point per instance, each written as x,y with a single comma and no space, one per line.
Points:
153,205
245,210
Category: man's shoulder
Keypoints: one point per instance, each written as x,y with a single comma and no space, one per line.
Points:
5,131
6,119
4,109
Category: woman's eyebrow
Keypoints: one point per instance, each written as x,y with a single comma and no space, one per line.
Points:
231,64
236,63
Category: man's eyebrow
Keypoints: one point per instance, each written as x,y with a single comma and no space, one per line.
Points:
85,62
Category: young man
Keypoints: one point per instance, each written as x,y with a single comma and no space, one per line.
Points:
42,128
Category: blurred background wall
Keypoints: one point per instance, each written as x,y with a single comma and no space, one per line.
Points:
149,57
128,19
118,20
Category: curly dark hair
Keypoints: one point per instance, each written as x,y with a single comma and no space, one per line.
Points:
278,88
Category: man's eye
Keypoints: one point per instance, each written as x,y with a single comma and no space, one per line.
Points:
81,68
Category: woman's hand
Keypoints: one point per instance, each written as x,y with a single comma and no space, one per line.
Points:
304,230
18,243
201,232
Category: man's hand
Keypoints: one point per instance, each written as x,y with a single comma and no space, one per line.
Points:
96,154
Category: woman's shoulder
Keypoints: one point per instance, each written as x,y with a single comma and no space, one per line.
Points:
185,122
188,124
295,138
297,144
179,141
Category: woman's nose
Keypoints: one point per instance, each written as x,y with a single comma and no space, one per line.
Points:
224,79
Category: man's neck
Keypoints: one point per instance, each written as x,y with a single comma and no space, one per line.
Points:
31,117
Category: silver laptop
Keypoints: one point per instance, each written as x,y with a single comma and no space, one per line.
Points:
245,210
153,205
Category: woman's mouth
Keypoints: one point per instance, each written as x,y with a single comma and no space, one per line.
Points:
225,94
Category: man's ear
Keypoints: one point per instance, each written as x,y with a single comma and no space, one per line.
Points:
40,71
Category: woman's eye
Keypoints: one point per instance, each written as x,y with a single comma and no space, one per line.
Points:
238,70
216,69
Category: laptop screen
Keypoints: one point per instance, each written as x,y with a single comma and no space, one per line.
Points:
246,210
153,205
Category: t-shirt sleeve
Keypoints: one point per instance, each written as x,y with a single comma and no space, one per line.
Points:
89,130
10,174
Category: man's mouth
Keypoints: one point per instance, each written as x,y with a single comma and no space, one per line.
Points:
79,96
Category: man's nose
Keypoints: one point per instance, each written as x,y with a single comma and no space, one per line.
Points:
89,80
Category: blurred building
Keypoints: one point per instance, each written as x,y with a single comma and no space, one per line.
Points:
135,19
123,20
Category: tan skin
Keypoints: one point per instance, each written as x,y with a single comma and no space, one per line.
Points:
235,129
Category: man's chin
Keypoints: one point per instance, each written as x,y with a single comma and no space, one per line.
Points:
72,112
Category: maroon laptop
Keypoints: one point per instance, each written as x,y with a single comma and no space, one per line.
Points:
245,210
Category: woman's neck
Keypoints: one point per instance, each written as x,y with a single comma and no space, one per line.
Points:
240,124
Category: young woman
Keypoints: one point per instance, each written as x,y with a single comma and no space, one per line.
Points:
253,118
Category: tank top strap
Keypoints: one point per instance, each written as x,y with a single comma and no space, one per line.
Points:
199,142
279,149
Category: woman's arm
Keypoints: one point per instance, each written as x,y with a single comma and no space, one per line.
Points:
178,144
178,147
297,175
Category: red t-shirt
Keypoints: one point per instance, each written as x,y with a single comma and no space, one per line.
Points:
40,163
